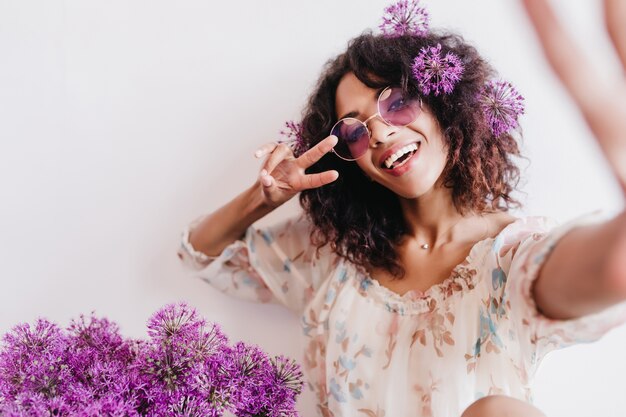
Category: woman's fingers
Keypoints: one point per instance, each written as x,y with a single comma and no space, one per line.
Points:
615,17
315,153
295,176
265,149
278,154
563,54
266,179
574,70
316,180
600,99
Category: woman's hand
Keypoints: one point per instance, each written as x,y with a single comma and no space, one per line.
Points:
282,175
600,98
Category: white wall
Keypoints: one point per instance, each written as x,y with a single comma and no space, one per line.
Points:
120,121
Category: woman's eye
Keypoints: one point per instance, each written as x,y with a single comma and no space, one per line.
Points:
397,105
355,134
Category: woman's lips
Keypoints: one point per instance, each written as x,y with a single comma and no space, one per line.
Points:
394,149
407,165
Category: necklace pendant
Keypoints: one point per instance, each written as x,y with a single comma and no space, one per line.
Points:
425,246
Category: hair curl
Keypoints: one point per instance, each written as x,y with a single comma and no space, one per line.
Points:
362,220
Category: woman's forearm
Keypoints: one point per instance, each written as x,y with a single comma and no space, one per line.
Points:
229,223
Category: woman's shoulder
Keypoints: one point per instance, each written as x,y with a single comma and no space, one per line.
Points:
499,221
504,224
510,231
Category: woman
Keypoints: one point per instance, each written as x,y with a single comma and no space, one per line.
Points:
419,294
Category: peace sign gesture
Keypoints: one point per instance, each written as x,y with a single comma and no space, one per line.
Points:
602,101
282,174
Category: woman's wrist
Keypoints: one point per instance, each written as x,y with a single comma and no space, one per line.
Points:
256,206
230,222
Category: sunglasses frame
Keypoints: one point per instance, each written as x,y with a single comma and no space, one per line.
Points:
377,114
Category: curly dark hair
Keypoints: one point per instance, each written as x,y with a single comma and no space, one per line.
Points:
362,220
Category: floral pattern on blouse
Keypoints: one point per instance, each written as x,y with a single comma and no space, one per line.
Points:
372,352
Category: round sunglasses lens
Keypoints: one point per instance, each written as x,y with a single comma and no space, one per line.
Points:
397,110
353,138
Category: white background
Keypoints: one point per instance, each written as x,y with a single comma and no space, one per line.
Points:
121,121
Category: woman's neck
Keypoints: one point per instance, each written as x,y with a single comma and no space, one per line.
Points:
432,218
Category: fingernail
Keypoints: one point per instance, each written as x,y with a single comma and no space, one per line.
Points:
266,181
263,172
257,153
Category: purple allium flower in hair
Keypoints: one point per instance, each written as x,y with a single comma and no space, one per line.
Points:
292,135
502,105
436,73
405,17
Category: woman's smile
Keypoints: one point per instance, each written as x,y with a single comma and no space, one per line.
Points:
401,160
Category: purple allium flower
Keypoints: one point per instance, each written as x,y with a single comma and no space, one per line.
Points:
111,405
215,382
292,135
286,383
101,363
208,342
185,369
32,360
405,17
26,404
288,373
251,375
502,105
179,340
98,333
436,73
174,321
95,341
193,406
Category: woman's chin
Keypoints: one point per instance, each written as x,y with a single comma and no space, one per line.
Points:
410,193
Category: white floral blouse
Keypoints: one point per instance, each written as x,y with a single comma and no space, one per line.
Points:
371,352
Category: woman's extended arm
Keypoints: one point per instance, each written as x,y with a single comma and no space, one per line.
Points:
587,270
282,177
577,279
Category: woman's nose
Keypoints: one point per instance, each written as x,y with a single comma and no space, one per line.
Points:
379,131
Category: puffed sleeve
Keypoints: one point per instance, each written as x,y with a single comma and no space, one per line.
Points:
521,249
277,264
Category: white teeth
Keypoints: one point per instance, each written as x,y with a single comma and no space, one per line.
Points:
393,158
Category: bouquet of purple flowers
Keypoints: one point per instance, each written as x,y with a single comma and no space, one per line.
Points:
185,368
